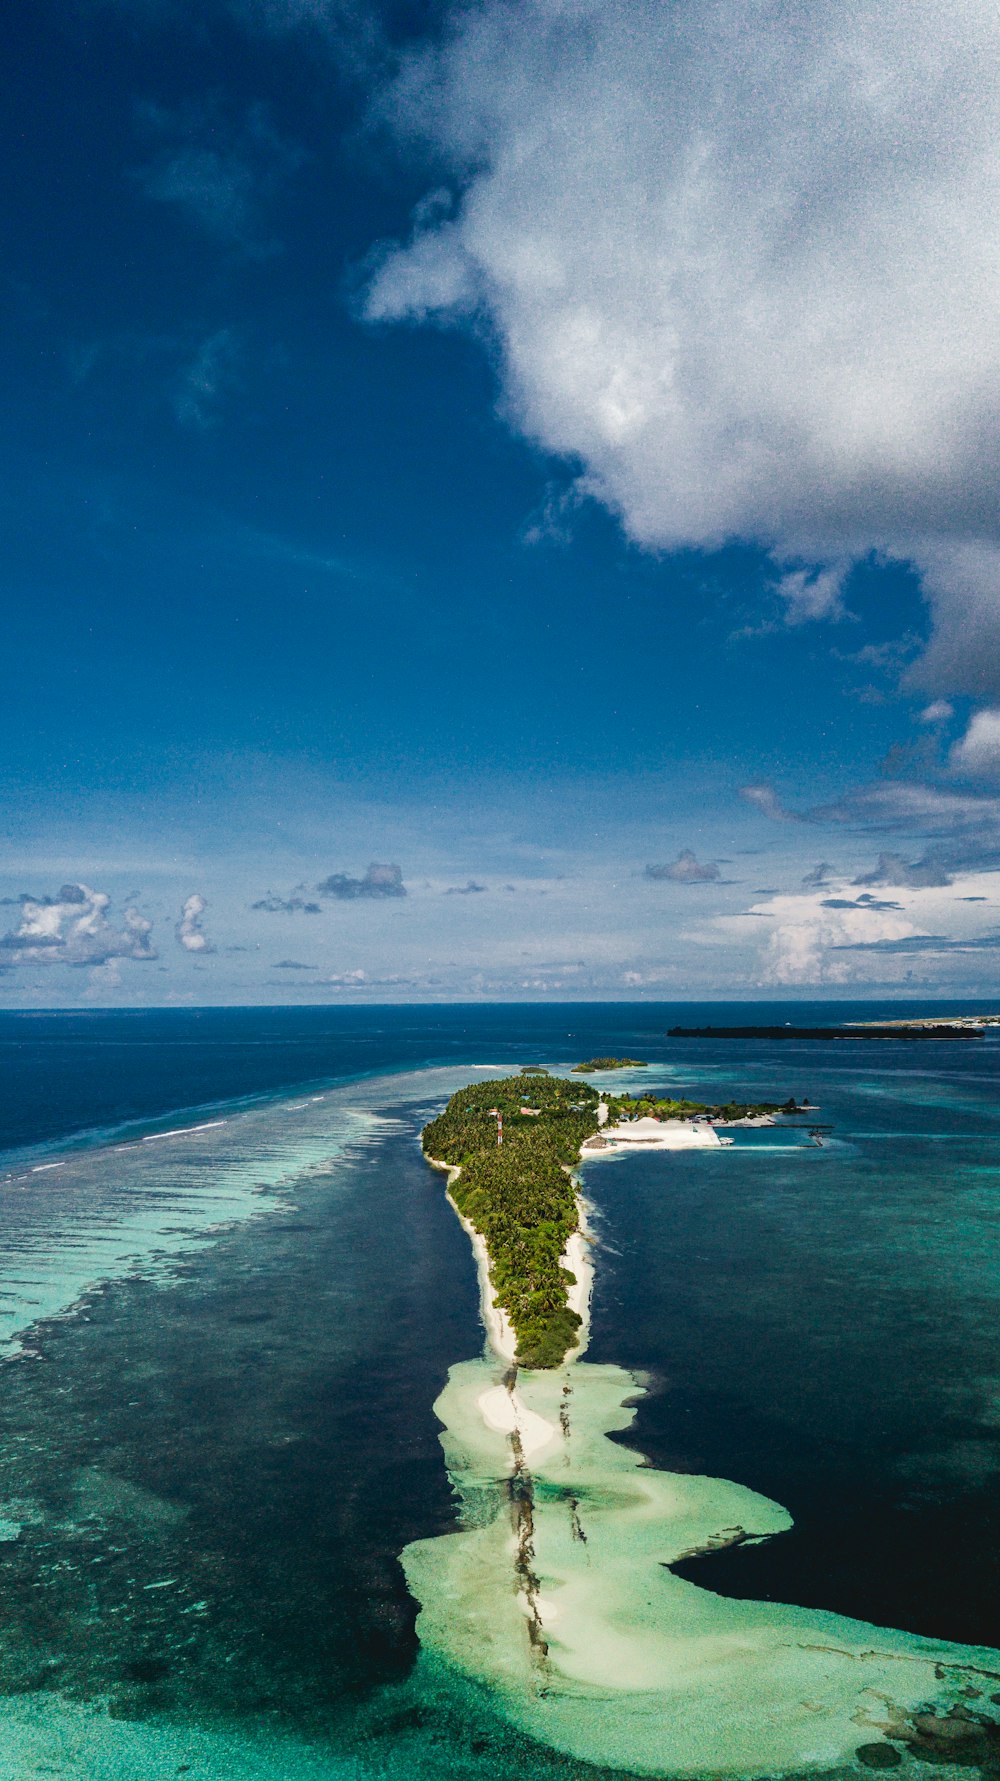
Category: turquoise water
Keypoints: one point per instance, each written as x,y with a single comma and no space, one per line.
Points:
219,1437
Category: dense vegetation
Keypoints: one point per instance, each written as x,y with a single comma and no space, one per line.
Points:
520,1195
648,1107
610,1063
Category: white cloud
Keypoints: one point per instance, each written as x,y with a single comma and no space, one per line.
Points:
812,594
741,265
939,711
977,754
835,936
962,582
73,928
189,930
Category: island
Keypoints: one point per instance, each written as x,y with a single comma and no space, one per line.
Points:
558,1586
896,1029
609,1063
509,1146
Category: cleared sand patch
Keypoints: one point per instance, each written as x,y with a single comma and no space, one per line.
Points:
556,1592
614,1659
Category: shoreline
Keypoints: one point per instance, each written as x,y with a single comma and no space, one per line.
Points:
576,1257
651,1134
502,1407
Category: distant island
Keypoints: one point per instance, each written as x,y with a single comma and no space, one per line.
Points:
510,1146
897,1029
609,1063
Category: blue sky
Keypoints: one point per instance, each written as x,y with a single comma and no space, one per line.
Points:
547,450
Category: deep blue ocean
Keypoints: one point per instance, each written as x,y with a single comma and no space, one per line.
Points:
216,1426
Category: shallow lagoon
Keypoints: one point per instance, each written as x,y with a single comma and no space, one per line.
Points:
216,1462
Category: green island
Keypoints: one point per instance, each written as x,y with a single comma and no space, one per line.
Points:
609,1063
520,1194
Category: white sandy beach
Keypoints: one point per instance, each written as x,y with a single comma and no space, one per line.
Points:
652,1134
502,1406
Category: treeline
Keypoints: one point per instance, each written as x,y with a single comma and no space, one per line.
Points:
519,1195
647,1106
610,1063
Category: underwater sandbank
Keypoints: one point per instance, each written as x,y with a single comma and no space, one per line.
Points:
556,1593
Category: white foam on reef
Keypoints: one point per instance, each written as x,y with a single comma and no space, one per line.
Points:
70,1224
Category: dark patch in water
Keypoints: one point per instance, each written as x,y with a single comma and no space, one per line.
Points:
219,1475
878,1756
821,1327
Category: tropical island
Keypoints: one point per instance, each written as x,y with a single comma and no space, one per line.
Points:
609,1063
893,1029
510,1146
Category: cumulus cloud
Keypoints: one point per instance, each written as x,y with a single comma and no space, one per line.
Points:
840,936
962,582
74,928
686,869
380,880
742,269
977,754
296,903
939,711
360,980
812,594
189,930
809,938
808,935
